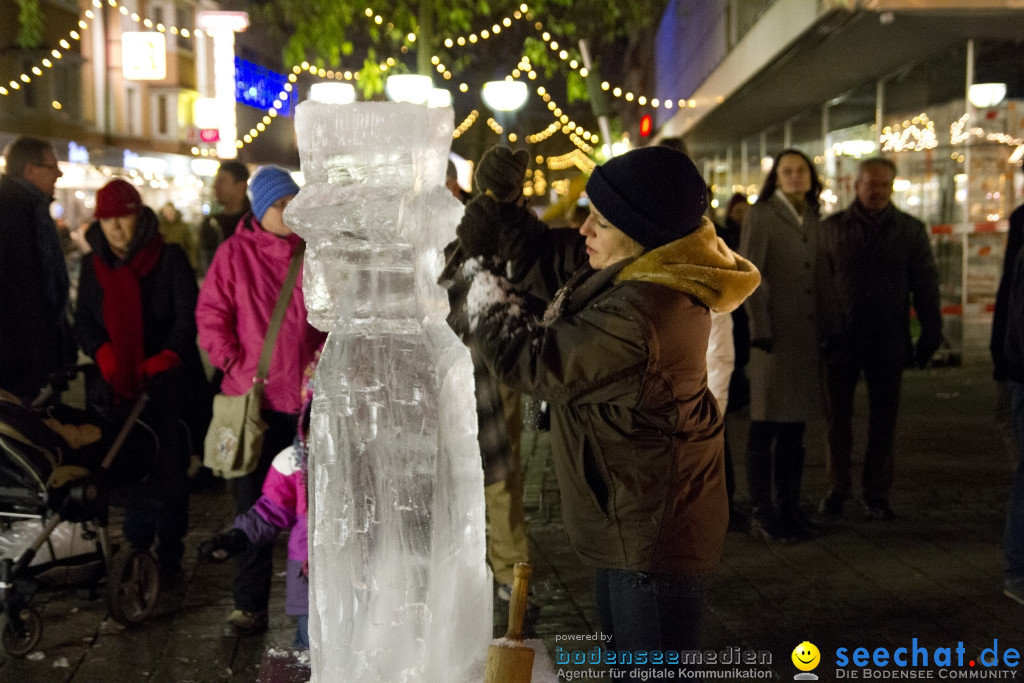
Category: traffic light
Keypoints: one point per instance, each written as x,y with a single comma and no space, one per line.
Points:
646,126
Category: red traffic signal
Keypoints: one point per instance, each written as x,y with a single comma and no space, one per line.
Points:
646,125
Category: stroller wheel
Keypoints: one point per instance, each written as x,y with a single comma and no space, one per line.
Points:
18,636
133,587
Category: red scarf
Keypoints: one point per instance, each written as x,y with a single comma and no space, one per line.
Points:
122,313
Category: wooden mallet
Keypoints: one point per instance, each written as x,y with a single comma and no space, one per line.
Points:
508,659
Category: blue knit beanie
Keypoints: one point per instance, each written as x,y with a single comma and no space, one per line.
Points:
267,185
653,194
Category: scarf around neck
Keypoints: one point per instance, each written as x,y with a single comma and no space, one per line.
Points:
122,312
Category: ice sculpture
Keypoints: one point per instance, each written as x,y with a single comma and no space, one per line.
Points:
399,588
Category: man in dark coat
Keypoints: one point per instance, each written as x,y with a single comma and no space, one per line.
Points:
229,189
1008,358
35,333
874,260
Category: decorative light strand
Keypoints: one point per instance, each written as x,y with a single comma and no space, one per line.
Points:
574,158
616,92
523,67
912,135
149,23
535,183
46,62
466,124
337,75
959,133
579,135
484,34
254,132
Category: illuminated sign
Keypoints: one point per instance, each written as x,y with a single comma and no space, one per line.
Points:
154,165
144,56
77,154
223,21
262,88
209,135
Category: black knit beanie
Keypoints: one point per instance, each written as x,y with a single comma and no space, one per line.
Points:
653,194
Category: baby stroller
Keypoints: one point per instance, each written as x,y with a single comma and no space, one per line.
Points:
44,477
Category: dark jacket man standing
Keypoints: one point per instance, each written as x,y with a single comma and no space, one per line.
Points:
874,263
35,332
229,189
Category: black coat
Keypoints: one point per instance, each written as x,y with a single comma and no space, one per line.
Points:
168,294
1014,242
35,337
869,274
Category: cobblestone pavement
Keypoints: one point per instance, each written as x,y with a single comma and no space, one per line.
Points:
932,574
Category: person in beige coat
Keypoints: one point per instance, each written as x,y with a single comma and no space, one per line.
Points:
780,239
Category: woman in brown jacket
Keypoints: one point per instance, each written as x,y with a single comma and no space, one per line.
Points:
619,353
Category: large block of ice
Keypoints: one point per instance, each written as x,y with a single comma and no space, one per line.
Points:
399,588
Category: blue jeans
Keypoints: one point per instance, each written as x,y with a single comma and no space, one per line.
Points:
302,632
642,611
1013,536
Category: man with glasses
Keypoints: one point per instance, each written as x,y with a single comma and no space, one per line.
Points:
35,333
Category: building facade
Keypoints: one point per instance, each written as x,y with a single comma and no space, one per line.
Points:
936,86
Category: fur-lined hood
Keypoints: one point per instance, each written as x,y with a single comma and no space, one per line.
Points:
700,265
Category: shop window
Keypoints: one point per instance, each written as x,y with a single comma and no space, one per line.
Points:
132,112
67,89
165,122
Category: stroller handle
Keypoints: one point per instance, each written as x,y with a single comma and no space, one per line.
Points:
57,381
126,428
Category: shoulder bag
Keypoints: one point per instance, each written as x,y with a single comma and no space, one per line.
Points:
234,440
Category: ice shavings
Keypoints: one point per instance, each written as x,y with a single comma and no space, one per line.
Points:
491,296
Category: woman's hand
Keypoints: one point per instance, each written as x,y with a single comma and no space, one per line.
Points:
478,229
159,363
500,173
106,362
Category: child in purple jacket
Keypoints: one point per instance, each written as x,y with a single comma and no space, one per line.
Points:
283,505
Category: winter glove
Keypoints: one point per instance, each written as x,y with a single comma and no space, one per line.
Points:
763,343
106,362
492,228
160,362
501,172
225,545
478,229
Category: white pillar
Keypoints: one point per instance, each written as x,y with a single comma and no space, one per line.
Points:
222,26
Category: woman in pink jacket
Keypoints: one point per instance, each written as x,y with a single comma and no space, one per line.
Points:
233,314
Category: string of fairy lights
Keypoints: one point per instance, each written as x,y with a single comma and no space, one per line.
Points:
579,136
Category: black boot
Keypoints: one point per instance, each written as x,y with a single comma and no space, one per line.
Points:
789,469
764,523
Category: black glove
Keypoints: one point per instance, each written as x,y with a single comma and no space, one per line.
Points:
763,343
478,229
225,545
502,171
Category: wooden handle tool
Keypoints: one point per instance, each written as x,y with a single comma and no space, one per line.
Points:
508,659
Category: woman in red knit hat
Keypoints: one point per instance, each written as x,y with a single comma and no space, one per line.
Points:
136,318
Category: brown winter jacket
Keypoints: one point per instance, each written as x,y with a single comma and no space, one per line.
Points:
636,436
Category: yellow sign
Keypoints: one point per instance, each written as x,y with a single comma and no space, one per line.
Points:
144,56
